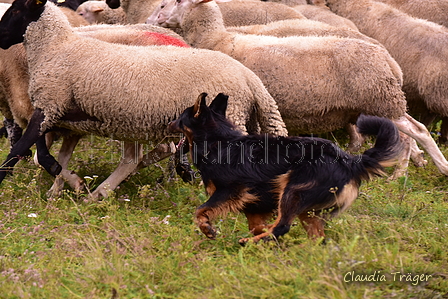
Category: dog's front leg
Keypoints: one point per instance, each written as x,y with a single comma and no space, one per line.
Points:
218,204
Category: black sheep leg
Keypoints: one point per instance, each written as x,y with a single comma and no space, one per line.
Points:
23,145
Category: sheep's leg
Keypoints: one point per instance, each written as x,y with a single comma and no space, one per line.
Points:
417,154
65,153
403,159
356,139
132,156
13,131
159,153
46,160
49,139
418,131
20,149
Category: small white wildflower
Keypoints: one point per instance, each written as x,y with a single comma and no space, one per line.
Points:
165,220
88,177
32,215
126,199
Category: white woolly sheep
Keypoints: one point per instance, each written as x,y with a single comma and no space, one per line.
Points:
129,92
310,75
16,103
97,12
305,69
323,14
432,10
419,47
301,27
137,11
238,13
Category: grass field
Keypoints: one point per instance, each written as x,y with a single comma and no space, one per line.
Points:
141,242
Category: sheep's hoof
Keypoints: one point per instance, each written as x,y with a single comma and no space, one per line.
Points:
54,169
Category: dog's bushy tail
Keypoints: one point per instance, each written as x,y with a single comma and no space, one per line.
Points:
387,146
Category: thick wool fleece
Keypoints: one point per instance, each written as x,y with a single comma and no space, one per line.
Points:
132,92
320,83
420,48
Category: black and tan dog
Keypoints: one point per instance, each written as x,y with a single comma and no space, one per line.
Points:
307,177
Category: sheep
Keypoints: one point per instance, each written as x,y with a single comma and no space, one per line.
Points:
279,61
88,91
301,27
419,46
247,12
241,12
323,106
137,11
14,101
432,10
17,104
70,4
323,14
99,12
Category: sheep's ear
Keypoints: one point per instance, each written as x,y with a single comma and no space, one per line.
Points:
35,4
219,104
200,103
97,9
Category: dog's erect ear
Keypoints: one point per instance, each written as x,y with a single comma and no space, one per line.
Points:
219,104
200,103
35,4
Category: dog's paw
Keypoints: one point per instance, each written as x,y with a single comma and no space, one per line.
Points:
208,230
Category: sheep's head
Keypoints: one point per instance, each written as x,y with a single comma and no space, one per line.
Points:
17,18
170,13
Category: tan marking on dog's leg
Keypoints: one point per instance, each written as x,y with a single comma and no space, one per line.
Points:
210,188
347,196
313,224
203,222
281,181
258,222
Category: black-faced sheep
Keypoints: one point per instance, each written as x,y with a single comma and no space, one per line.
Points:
127,92
311,75
16,105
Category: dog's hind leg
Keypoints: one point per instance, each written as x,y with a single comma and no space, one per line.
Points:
287,211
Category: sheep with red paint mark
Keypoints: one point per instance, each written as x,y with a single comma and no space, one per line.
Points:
128,92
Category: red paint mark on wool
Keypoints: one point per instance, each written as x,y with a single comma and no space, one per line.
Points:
161,39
